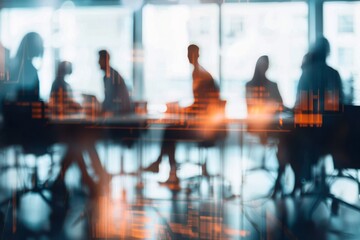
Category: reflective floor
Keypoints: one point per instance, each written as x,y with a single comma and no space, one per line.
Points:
238,205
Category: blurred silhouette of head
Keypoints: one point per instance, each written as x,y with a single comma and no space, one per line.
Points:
321,49
262,65
104,59
193,53
64,68
31,46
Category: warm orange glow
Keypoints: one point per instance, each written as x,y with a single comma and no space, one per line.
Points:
310,119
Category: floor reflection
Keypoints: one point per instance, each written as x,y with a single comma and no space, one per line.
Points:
239,206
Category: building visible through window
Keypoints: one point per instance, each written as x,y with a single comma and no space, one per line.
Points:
345,24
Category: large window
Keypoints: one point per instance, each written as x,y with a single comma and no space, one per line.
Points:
74,34
82,32
342,28
250,30
167,31
15,23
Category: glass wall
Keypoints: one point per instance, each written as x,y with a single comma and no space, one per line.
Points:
75,34
15,23
249,30
167,31
342,28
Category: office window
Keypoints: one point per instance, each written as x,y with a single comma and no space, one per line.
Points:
15,23
83,32
167,31
345,56
344,44
74,34
278,30
345,24
233,27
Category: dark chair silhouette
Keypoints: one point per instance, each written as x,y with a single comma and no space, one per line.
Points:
266,139
344,146
25,126
213,135
127,136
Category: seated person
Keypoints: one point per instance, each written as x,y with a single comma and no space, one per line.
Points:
263,99
23,73
117,98
262,95
61,97
319,98
206,94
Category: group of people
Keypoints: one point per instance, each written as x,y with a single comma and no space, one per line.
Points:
21,81
319,91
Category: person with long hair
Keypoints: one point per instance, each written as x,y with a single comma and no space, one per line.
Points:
23,72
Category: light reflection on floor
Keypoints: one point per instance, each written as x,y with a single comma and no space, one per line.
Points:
155,212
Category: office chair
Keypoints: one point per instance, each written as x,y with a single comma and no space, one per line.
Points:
127,136
25,126
212,134
267,140
344,146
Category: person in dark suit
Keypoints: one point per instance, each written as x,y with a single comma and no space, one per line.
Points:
117,98
319,100
23,72
206,94
61,96
320,88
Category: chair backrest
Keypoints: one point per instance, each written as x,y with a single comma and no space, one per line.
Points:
25,125
345,147
140,107
217,125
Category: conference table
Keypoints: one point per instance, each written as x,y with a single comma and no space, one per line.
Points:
80,133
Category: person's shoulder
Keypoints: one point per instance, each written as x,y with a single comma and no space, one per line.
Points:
67,85
115,73
250,83
332,70
272,84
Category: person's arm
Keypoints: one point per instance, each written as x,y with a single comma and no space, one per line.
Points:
70,99
279,99
298,92
340,89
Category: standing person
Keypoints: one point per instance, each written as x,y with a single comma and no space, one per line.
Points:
117,97
205,92
23,72
319,96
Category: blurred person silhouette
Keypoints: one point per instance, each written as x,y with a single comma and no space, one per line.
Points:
117,98
23,72
262,95
61,96
319,98
264,101
320,88
205,93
